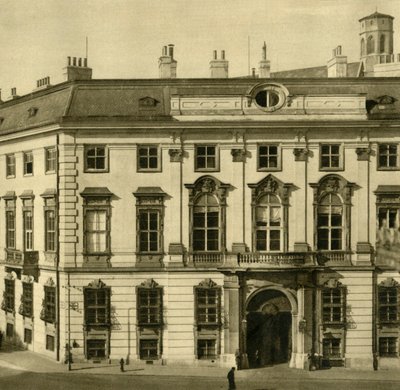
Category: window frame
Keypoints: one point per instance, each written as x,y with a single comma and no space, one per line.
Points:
148,156
48,313
50,342
48,158
268,156
214,347
387,167
27,296
216,155
331,307
9,174
8,304
330,155
28,335
387,305
26,156
148,232
148,307
97,307
27,217
88,169
50,206
202,309
388,353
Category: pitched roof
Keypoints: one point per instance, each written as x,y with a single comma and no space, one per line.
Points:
315,72
376,15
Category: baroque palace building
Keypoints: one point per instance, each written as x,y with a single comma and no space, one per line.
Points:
249,221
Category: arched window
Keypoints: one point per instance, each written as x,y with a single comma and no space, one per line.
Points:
370,44
362,47
268,223
206,223
330,223
382,44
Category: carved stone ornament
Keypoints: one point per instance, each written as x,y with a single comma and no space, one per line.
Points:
10,276
50,283
28,279
149,283
238,155
300,154
385,99
333,283
389,282
330,184
32,111
175,155
147,102
363,154
97,283
270,185
208,185
207,283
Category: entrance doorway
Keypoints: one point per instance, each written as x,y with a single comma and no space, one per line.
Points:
269,329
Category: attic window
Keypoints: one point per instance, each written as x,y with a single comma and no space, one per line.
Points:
32,111
268,97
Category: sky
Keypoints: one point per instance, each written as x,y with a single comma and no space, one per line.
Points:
126,36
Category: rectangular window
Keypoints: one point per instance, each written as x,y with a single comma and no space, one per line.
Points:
28,336
96,349
49,305
148,349
268,157
10,330
388,347
27,300
28,230
331,348
28,163
51,159
206,349
50,343
10,229
149,231
96,231
96,158
388,157
149,306
9,295
206,158
97,306
10,165
388,304
50,230
207,305
148,158
333,305
330,157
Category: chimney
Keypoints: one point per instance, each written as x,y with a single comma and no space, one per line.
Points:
219,67
337,65
77,69
166,63
13,94
42,83
265,65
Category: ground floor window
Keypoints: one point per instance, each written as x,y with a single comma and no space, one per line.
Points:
148,349
10,330
388,346
50,343
331,348
28,336
96,349
206,349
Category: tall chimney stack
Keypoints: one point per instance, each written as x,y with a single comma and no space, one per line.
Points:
337,65
219,67
77,69
167,64
264,65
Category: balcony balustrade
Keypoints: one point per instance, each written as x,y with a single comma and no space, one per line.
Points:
255,259
27,261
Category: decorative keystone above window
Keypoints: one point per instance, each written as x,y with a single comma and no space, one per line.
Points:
363,154
175,155
207,283
268,97
149,283
148,102
238,155
389,282
270,185
207,185
97,283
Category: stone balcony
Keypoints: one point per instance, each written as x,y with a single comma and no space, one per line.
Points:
26,261
272,260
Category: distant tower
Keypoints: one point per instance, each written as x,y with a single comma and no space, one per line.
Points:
376,40
264,65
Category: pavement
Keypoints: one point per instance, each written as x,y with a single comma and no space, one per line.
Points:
34,362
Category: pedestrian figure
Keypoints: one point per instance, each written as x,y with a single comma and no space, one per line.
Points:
121,365
231,378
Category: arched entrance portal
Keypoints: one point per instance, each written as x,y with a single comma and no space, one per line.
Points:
269,329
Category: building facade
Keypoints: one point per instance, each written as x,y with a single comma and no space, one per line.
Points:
249,221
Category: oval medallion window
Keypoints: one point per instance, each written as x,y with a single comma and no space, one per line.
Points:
267,99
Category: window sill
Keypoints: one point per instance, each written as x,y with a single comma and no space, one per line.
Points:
207,169
388,168
50,172
10,177
277,169
96,171
28,174
149,170
331,169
